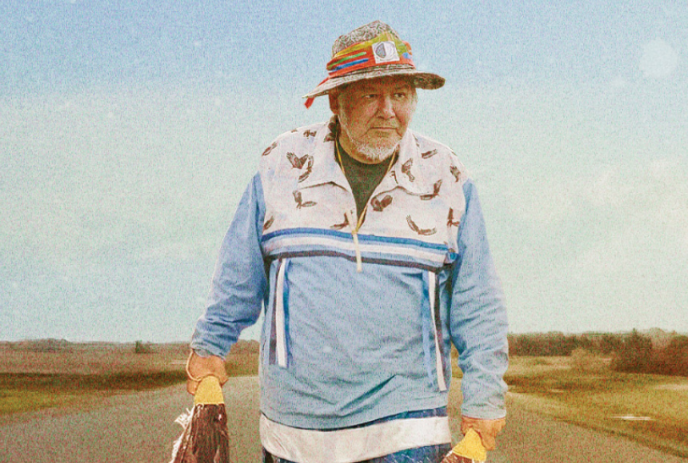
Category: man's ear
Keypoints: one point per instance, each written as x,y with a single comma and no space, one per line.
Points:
334,102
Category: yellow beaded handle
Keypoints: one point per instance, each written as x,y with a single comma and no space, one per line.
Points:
471,446
209,392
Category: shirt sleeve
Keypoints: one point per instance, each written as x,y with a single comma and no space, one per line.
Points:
239,281
478,320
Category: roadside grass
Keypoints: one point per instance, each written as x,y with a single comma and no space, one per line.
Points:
16,401
243,364
82,374
29,392
21,392
652,409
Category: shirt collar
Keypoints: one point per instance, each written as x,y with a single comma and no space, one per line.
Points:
326,169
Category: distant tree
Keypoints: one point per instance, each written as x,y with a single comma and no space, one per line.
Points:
635,354
545,344
584,341
143,348
608,343
527,345
673,359
43,345
659,353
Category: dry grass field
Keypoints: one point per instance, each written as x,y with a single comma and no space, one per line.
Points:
581,389
48,373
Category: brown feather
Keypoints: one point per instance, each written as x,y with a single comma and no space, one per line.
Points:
206,438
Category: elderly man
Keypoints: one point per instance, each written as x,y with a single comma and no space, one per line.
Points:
364,244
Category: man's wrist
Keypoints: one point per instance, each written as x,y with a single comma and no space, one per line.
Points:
202,353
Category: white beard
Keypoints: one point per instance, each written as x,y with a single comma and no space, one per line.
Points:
372,153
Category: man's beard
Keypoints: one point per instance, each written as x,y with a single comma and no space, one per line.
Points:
373,153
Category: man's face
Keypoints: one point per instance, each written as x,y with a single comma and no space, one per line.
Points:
374,115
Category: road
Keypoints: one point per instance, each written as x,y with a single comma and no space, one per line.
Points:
140,427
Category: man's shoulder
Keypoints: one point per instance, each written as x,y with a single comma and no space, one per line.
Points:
430,147
436,155
293,155
301,137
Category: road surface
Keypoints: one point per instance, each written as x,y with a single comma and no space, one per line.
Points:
140,427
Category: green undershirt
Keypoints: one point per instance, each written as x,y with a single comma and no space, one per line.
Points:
363,178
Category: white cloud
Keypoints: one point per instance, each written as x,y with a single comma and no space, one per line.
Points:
659,59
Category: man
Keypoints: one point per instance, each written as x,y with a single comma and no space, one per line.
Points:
365,244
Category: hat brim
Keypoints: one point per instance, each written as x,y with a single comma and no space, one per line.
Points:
424,80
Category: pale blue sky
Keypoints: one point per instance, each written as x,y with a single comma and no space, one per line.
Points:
129,129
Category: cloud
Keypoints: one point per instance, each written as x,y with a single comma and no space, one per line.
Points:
659,60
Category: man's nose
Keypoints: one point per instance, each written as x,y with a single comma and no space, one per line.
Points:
386,107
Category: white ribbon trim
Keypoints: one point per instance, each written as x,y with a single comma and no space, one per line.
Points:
353,444
280,325
432,288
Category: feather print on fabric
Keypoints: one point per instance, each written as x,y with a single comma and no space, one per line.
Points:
428,154
406,169
450,219
269,149
342,225
300,162
417,229
299,201
379,204
435,191
455,172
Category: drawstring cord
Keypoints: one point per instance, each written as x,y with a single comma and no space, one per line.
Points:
353,224
354,233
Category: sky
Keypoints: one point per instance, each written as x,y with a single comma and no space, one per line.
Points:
129,130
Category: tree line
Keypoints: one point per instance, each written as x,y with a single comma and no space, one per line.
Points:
630,352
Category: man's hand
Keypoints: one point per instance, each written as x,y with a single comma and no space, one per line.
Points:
487,429
198,367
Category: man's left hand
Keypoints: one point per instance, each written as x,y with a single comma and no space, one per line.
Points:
487,429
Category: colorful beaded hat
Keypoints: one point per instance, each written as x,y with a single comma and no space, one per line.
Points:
373,50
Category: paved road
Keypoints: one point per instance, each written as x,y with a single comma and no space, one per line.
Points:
140,428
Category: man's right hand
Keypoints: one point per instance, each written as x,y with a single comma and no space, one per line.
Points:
198,367
487,429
